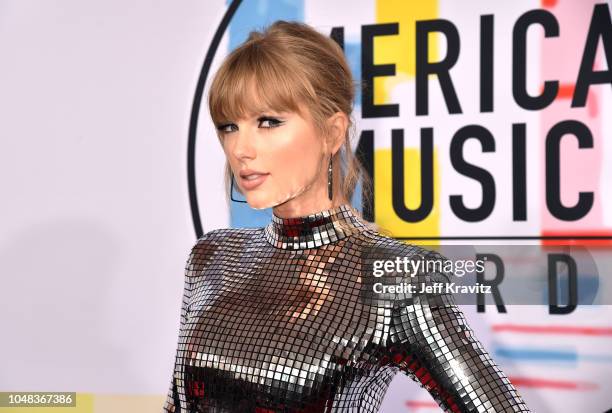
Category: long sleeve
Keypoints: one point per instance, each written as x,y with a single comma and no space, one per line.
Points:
433,344
169,405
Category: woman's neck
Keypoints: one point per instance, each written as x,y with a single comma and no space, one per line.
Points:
313,230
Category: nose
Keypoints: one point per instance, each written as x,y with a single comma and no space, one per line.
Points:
243,147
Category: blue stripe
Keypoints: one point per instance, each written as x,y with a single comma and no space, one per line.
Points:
255,15
527,354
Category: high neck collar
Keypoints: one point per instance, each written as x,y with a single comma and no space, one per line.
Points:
313,230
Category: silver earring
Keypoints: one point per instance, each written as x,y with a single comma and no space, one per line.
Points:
330,179
232,190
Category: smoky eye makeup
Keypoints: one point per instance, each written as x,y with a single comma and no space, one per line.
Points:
222,127
265,122
270,121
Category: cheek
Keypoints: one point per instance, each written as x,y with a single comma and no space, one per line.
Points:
228,158
297,157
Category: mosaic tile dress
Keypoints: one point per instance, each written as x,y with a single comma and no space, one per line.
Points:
284,319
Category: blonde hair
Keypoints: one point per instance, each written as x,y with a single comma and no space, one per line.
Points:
289,64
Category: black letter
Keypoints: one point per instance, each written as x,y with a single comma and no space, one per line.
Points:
369,71
486,180
337,35
553,173
553,306
499,277
519,60
365,155
486,63
424,68
519,173
601,26
397,173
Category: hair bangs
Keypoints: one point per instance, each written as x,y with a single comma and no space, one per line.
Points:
254,81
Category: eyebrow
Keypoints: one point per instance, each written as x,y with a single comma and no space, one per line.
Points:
265,111
258,115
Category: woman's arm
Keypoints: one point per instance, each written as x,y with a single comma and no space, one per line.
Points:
432,343
169,405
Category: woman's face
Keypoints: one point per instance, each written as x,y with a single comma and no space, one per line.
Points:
277,157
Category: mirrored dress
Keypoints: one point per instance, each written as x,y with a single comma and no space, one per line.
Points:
284,318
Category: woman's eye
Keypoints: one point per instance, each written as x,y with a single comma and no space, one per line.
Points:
264,122
230,127
269,122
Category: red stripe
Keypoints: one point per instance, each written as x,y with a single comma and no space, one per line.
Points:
577,241
416,404
565,91
552,384
568,330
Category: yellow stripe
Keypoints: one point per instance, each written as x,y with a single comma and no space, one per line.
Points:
401,50
385,216
128,403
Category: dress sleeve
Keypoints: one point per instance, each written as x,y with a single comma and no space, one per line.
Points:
169,405
433,344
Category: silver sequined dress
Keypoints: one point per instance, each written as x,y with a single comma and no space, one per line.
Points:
284,318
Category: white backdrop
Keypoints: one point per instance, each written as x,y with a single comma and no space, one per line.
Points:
95,224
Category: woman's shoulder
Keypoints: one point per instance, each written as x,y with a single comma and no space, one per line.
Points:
221,234
207,247
224,236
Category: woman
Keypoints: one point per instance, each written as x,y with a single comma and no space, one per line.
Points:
284,318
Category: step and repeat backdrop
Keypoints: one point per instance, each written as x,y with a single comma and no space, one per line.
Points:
486,128
485,125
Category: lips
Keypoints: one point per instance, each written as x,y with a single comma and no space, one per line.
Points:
252,176
251,179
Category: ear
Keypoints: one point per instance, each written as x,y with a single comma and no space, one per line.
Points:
337,125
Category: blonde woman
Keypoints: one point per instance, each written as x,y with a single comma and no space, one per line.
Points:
284,318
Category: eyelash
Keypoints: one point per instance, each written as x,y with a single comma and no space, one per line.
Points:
274,123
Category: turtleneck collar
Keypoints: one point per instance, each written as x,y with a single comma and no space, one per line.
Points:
313,230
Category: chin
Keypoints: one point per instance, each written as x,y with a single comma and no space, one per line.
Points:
263,199
257,201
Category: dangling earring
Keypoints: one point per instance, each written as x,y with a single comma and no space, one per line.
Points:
232,189
330,178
